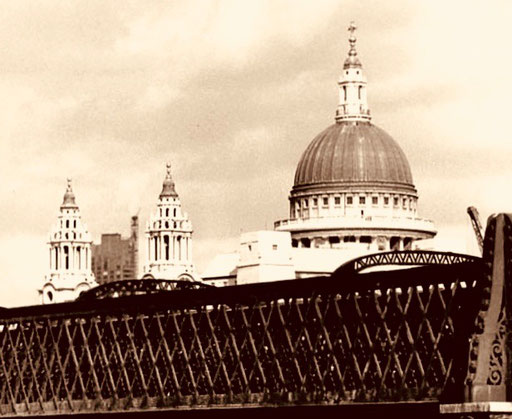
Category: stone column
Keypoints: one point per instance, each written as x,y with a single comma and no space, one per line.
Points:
374,245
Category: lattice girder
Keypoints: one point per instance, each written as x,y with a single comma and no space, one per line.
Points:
395,335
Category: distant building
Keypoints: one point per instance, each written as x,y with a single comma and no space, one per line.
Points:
69,255
353,194
266,256
169,237
116,258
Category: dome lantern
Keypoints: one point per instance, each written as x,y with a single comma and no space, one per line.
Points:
168,185
69,197
353,105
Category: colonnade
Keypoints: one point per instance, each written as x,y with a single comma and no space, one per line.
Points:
373,242
67,256
169,247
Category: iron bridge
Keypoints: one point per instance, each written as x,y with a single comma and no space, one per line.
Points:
432,335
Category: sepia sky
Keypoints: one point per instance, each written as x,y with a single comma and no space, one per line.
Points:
231,93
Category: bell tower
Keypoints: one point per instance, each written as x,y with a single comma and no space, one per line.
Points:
169,237
69,255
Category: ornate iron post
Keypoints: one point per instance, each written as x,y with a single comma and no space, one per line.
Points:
487,375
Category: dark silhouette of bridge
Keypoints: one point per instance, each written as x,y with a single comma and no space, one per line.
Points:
427,339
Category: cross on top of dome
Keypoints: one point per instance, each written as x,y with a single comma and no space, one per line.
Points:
352,28
352,60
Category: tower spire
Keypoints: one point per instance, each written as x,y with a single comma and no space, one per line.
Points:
352,61
168,185
353,105
69,197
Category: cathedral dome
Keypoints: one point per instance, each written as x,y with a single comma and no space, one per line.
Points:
353,153
353,184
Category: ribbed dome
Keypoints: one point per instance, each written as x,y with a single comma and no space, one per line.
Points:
350,153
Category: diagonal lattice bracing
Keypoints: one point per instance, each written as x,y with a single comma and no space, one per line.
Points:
402,258
396,335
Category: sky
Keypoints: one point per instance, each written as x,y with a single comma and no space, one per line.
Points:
231,93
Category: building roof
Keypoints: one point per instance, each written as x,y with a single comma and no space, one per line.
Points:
351,152
223,265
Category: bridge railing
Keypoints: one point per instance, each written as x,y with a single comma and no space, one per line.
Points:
387,336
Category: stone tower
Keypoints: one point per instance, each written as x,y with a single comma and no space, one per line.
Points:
169,237
69,255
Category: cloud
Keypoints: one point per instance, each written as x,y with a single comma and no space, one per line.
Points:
232,93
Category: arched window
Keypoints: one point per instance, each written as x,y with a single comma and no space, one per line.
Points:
160,212
167,212
156,248
74,224
79,255
166,244
67,223
345,93
66,257
56,258
360,91
394,243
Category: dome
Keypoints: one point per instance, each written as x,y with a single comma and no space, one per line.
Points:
350,153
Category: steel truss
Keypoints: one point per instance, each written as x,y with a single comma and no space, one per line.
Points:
403,258
138,286
310,341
